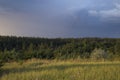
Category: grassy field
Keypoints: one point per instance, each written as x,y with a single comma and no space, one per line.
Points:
61,70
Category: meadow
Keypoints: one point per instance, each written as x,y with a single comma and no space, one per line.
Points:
60,70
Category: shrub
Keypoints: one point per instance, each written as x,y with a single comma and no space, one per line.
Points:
99,54
1,63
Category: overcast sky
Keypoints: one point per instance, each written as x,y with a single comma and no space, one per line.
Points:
60,18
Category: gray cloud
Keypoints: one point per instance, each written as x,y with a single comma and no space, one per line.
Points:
109,14
60,18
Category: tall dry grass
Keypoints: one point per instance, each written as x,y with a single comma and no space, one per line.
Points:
61,70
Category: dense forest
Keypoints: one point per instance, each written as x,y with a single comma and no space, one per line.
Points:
21,48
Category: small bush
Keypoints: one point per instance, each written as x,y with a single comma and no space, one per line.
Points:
1,60
99,54
20,62
1,63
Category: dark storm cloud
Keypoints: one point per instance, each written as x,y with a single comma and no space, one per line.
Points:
60,18
12,5
86,25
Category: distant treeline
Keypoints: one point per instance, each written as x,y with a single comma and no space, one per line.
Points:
22,48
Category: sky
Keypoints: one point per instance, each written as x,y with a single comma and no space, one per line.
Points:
60,18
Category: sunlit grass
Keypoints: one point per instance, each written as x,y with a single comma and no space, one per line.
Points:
61,70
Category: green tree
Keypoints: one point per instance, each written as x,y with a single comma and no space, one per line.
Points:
117,48
1,59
